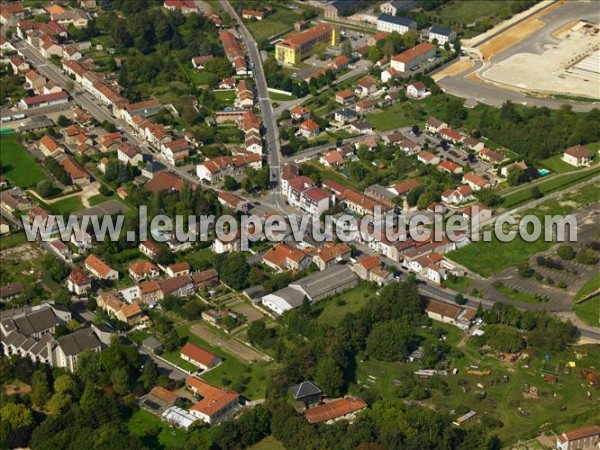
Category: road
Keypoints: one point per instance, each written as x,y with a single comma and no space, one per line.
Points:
271,132
86,101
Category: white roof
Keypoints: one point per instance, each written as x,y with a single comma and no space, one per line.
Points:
178,416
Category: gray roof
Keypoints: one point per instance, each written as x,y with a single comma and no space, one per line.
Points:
398,20
436,29
37,321
292,297
344,5
304,389
321,284
380,191
346,112
78,342
151,343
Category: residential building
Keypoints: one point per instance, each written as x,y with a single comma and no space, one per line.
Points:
298,45
365,87
100,269
309,128
199,357
344,97
394,7
450,135
234,202
401,25
199,61
369,268
216,404
450,167
441,34
332,159
213,170
491,156
345,115
412,57
39,101
457,196
206,278
362,127
405,187
299,113
342,409
473,143
304,195
447,313
408,147
164,181
185,6
417,90
477,213
78,282
475,181
282,257
178,269
340,8
426,157
11,291
433,125
330,254
306,393
176,151
226,244
149,248
142,269
578,155
234,52
580,438
340,63
253,14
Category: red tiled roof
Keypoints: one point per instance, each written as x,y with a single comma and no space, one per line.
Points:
280,253
334,409
164,181
214,399
97,265
414,52
198,354
309,125
78,276
578,151
407,186
369,262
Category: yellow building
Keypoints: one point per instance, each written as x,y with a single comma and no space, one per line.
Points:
298,46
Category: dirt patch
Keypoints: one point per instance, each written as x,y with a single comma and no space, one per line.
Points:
20,388
514,34
559,34
25,252
250,313
237,349
454,69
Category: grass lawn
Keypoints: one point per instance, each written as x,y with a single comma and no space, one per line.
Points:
67,206
593,284
225,98
589,311
330,174
99,198
201,76
268,443
280,21
18,165
142,421
461,14
332,310
276,96
249,380
12,240
556,164
459,284
199,259
396,116
553,184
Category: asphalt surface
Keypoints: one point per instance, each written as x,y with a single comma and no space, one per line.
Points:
269,122
489,94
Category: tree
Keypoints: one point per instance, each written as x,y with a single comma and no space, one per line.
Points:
566,252
390,341
460,299
525,270
46,189
329,376
536,193
347,48
59,403
587,256
40,388
149,374
234,271
119,379
230,183
504,338
63,121
16,415
65,384
164,256
375,54
108,126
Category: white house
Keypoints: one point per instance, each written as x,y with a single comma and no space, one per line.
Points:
417,90
401,25
578,155
442,35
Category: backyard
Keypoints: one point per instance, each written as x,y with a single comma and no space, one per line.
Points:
332,310
18,165
589,311
142,422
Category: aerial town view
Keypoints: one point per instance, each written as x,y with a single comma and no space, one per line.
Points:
300,224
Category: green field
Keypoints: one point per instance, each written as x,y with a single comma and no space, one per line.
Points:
99,198
276,96
199,259
330,174
332,310
67,206
589,311
18,165
280,21
12,240
396,116
556,164
268,443
225,98
550,185
142,421
593,284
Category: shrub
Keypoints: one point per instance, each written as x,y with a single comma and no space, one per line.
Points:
566,252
